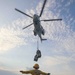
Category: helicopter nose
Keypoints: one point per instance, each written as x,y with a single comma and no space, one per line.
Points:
36,16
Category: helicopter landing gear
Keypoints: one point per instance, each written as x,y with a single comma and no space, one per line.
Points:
43,32
34,32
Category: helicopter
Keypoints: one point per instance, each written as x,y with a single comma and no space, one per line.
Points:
38,29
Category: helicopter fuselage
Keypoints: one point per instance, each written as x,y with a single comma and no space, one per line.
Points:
38,29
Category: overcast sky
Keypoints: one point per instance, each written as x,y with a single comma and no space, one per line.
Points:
18,47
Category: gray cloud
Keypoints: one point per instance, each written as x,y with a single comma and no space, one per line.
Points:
5,72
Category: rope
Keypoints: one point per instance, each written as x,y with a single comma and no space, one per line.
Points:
37,43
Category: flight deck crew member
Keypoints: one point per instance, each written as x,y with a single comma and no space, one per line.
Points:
35,71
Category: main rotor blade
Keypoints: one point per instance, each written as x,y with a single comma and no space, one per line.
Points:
23,13
27,26
52,20
43,7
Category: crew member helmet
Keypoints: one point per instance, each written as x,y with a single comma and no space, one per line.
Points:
36,66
